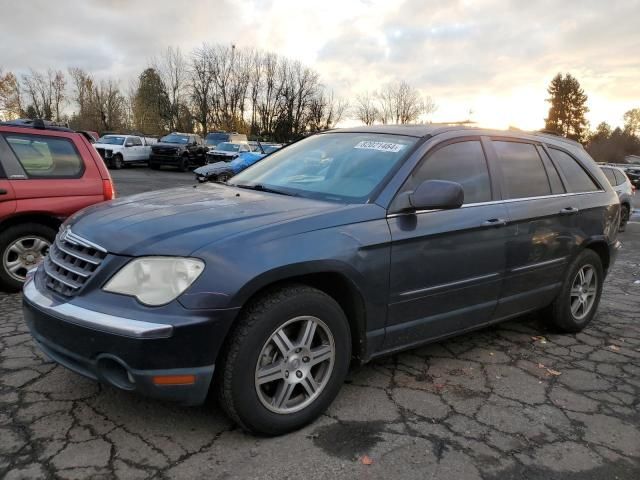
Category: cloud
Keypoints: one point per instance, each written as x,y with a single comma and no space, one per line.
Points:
467,54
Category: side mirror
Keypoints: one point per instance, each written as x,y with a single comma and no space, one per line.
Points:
433,195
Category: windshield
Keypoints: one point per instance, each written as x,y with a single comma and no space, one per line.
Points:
270,148
332,166
216,138
172,138
111,140
228,147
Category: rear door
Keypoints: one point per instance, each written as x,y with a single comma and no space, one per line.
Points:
546,225
7,195
447,265
51,175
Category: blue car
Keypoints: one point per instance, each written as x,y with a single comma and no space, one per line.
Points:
223,171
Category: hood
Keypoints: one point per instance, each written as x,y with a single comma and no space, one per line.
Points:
222,153
107,146
182,220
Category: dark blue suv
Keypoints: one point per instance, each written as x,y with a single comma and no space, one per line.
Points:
349,244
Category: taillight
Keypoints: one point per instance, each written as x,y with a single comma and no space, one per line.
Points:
108,191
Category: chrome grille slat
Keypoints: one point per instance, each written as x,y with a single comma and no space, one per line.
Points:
71,262
76,254
68,266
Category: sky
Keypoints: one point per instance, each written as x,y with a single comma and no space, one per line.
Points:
489,61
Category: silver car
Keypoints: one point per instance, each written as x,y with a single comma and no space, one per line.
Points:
622,186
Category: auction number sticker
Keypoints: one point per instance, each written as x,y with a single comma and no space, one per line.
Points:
381,146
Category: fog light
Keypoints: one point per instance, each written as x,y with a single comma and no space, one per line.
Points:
174,379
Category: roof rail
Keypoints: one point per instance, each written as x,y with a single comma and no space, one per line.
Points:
37,123
556,135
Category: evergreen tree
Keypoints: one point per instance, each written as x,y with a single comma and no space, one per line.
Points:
632,121
151,106
568,108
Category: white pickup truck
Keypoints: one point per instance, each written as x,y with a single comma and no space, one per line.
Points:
117,150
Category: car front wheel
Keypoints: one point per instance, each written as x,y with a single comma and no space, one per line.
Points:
286,360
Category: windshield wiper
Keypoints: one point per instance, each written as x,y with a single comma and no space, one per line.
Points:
261,188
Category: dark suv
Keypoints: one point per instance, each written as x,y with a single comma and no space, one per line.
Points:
348,244
179,150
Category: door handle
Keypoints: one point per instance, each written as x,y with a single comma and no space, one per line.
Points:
569,211
494,222
3,191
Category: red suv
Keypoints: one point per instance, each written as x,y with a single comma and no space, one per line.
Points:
46,174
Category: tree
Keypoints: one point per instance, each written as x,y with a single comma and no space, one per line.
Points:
201,85
568,108
632,121
172,69
365,109
10,98
152,107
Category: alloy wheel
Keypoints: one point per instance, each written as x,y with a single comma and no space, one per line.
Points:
295,365
583,291
24,254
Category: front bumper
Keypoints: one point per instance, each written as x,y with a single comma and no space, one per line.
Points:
122,352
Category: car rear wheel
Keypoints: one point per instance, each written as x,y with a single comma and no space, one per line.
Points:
286,360
22,247
625,212
579,297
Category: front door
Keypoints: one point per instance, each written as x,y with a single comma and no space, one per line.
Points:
447,265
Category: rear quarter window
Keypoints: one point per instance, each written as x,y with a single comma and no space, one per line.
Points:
577,180
620,177
46,157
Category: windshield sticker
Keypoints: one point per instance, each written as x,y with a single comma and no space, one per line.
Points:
381,146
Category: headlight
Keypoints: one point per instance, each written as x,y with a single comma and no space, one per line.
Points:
155,280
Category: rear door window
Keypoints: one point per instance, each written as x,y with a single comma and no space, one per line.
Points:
522,170
578,181
610,176
46,157
461,162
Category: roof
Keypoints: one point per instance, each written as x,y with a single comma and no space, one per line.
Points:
432,129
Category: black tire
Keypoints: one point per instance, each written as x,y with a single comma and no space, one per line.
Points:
8,237
560,314
236,383
625,213
117,162
183,165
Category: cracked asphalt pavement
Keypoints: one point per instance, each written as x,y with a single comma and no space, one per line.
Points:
513,401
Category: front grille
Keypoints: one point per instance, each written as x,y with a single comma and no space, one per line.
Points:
104,153
164,151
71,262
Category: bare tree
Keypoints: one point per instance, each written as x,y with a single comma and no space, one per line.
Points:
172,67
201,85
325,111
39,94
58,84
401,103
366,109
